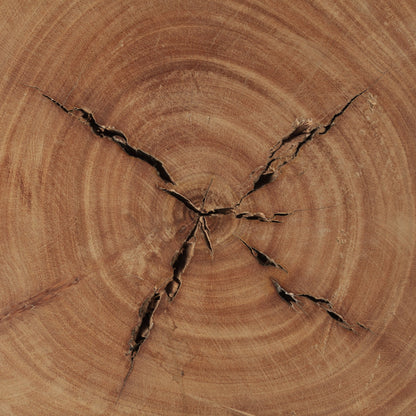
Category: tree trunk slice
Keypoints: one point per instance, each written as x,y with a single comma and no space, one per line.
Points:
302,314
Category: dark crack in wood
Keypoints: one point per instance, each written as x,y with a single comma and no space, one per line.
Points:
296,140
148,308
115,136
288,297
204,224
262,258
187,202
258,216
338,318
363,326
328,126
301,127
325,304
219,211
204,199
141,332
315,299
261,217
206,234
270,172
180,262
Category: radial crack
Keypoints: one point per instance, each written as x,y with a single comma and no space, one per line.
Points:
258,216
325,304
204,224
337,317
288,297
180,262
315,299
270,172
204,199
187,202
363,326
328,126
142,331
219,211
262,258
261,217
205,233
148,308
301,127
115,136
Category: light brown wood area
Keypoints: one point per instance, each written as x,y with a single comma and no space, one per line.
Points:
208,208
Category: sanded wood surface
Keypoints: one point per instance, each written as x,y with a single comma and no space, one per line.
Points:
208,207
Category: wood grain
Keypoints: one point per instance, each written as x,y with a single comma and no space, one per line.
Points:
209,89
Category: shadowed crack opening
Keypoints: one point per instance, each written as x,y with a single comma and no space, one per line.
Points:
258,216
141,332
302,133
325,304
206,233
302,129
185,201
181,261
114,135
288,297
262,258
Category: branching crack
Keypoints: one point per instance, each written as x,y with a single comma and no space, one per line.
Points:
281,154
269,173
202,214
